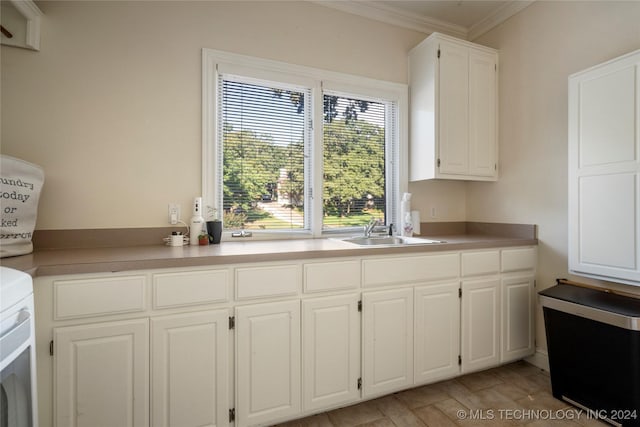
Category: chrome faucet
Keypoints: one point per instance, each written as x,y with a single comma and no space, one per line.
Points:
370,226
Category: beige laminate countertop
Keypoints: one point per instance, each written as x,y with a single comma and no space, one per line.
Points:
98,260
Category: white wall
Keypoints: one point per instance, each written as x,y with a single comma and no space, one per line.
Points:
111,105
539,48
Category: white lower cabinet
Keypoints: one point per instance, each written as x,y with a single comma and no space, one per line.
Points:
267,362
101,374
437,332
387,328
330,351
518,304
189,369
300,344
480,332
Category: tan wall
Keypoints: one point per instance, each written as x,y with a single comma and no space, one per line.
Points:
111,105
539,49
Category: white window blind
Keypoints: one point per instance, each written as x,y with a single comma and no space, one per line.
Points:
264,129
355,141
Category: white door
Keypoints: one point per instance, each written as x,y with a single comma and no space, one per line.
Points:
517,318
387,325
482,113
453,107
101,374
189,369
480,324
437,332
267,362
330,351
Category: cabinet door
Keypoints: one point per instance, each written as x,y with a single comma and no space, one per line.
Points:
387,325
267,362
517,318
189,369
330,351
453,102
102,374
437,332
604,170
480,324
483,112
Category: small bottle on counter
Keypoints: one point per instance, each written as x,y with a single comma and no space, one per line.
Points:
197,221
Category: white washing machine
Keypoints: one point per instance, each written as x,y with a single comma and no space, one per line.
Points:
18,402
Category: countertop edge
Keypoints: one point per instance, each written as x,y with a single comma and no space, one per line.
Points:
84,261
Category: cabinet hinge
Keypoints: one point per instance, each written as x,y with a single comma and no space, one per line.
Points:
459,292
438,162
232,322
459,360
51,348
495,67
438,52
535,283
360,306
495,166
232,414
359,383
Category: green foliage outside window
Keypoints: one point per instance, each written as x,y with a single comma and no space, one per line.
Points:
353,168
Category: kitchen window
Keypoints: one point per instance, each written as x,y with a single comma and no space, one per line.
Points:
290,150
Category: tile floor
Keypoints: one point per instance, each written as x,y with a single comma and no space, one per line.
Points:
517,394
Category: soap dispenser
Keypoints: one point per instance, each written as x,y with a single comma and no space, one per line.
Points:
407,225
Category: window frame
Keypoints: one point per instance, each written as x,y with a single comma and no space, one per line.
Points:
215,62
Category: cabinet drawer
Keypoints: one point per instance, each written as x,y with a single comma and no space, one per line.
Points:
330,276
98,296
268,281
477,263
190,288
387,271
518,259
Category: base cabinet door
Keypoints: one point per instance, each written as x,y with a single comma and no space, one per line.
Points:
189,369
330,351
437,332
267,362
517,318
480,324
387,346
101,374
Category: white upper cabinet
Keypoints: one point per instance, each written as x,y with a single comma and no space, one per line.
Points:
454,110
604,141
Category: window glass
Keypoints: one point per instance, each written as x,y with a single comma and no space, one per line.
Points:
263,162
354,170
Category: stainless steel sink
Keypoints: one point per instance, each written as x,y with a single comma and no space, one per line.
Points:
389,241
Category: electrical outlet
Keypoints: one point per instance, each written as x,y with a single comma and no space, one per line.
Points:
174,213
433,212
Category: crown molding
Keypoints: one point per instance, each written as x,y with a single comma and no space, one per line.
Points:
399,17
501,14
395,16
